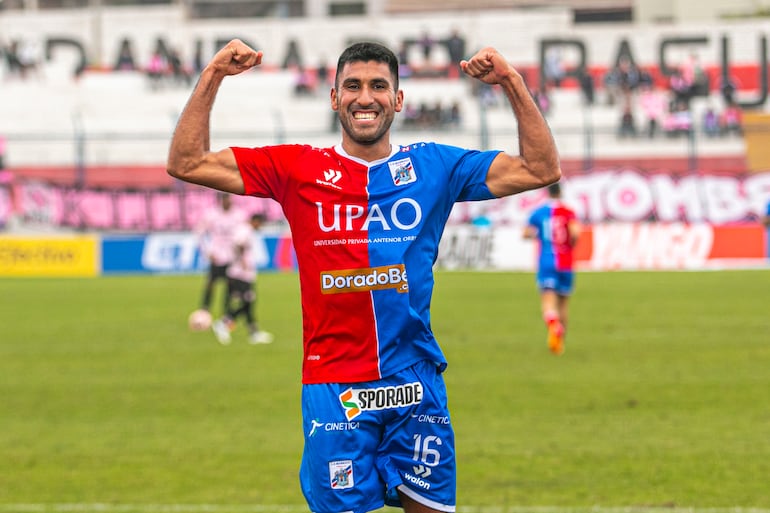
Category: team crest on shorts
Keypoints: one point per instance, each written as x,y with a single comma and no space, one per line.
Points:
341,474
402,171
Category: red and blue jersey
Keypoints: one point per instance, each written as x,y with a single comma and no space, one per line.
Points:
366,236
551,221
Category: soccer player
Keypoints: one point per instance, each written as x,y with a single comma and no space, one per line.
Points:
366,217
215,238
766,222
556,229
242,286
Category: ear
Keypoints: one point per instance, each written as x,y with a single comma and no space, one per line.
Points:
333,98
399,100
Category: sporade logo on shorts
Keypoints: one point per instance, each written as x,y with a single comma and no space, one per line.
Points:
364,280
357,400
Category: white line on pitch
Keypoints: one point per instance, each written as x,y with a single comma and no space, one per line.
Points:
295,508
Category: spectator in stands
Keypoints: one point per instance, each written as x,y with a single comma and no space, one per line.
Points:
241,299
654,107
215,232
304,82
178,72
157,69
711,122
410,115
627,126
679,120
621,81
727,88
404,66
322,75
452,115
197,61
694,74
23,58
543,100
455,46
681,86
553,67
426,43
732,119
366,217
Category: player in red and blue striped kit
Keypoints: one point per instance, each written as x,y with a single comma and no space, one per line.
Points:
366,218
556,229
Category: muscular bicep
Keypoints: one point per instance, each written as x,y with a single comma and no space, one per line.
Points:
218,170
510,174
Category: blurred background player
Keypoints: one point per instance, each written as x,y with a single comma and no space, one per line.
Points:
766,222
241,296
215,238
556,228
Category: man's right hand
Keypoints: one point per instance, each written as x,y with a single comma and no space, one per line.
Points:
235,57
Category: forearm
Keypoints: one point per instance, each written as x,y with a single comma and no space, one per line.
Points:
191,140
536,143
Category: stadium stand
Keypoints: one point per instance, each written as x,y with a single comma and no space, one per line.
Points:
109,131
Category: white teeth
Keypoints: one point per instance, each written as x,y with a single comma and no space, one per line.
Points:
365,115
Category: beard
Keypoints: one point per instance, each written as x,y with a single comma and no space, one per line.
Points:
369,135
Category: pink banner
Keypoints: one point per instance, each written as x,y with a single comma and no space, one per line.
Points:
624,195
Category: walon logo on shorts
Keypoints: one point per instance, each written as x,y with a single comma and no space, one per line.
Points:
364,280
357,400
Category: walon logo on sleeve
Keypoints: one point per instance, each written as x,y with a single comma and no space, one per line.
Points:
358,400
364,280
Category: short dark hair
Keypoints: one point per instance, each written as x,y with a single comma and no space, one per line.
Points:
368,51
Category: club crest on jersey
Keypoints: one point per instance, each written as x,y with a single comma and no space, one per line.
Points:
402,171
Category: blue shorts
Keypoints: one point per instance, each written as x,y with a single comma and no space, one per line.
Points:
364,440
561,282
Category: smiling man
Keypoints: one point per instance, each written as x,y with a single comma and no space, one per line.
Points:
366,218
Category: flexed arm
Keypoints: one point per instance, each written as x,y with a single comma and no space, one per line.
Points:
190,158
537,164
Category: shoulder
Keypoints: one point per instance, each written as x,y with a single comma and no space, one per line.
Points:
278,151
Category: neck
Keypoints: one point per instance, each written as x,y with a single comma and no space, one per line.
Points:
367,152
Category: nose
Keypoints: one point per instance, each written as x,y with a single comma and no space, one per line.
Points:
365,95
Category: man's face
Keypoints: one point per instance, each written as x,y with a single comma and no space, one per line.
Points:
366,101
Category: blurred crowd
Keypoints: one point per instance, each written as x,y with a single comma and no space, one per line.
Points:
649,104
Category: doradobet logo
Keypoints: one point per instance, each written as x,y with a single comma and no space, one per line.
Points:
364,280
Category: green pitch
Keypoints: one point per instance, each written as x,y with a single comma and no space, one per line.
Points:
108,402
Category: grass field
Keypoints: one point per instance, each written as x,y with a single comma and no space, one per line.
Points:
662,400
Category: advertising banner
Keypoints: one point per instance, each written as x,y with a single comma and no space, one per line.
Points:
49,256
612,246
179,252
